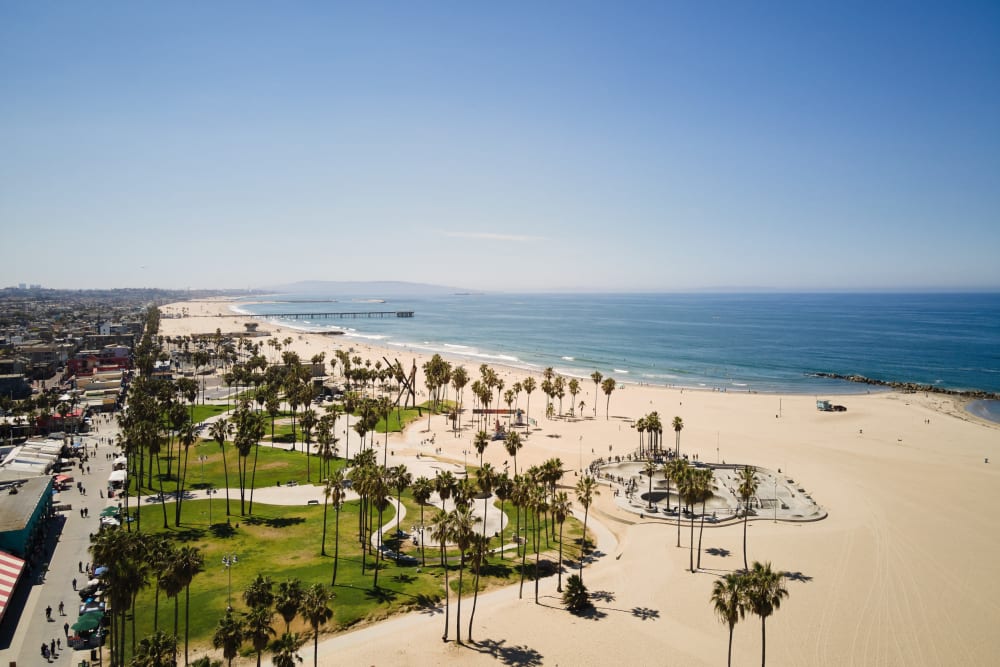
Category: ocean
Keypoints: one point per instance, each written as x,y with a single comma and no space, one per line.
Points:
731,342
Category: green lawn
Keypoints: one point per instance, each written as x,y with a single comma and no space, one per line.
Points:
284,542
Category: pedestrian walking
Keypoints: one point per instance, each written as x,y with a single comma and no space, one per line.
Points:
52,646
45,652
74,584
59,643
66,629
61,608
48,613
79,565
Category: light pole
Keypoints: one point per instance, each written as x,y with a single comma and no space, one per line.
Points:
227,562
210,505
580,450
775,500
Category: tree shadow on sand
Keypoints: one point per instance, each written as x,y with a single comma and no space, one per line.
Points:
798,576
508,655
602,596
645,613
718,551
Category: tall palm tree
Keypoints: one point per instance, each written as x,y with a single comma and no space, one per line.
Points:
764,591
480,442
463,533
228,636
220,431
729,601
596,377
189,562
441,533
503,487
678,424
689,489
477,558
561,509
422,489
529,386
401,480
680,470
288,600
706,480
260,592
258,628
316,611
586,489
512,443
608,386
747,489
649,470
337,497
444,484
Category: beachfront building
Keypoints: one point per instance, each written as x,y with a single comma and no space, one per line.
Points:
25,506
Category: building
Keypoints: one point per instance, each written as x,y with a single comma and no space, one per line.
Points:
24,508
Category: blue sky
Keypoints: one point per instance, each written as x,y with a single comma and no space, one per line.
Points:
501,146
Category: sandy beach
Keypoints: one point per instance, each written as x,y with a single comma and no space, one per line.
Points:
901,572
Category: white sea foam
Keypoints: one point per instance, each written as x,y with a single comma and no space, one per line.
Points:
619,370
568,358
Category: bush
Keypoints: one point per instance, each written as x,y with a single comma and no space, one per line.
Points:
575,596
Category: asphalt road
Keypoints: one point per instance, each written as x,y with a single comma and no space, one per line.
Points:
25,627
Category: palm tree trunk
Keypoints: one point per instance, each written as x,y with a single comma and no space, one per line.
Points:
163,503
458,611
322,547
336,545
537,552
475,597
447,592
187,619
745,517
701,531
253,474
559,565
225,470
583,540
763,641
691,545
729,659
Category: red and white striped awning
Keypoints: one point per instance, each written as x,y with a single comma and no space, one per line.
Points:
10,572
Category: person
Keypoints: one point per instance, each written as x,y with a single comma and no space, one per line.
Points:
66,628
62,607
74,584
45,651
48,612
52,646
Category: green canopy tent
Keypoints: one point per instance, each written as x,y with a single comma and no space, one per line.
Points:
109,511
88,621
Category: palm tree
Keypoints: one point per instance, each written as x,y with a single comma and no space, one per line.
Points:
706,479
462,533
678,424
441,533
189,562
671,471
260,592
649,470
156,650
586,489
689,489
560,511
316,611
596,377
288,601
480,442
422,489
608,386
747,489
337,496
575,596
258,628
286,650
401,480
502,487
477,558
680,470
220,431
512,443
529,386
444,484
730,604
765,589
228,636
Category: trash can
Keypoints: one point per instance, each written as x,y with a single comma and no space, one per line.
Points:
93,655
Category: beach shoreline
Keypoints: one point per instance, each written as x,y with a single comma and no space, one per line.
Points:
902,477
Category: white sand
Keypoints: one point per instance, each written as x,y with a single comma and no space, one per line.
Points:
902,572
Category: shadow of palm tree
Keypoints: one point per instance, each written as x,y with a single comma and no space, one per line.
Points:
645,613
381,595
603,596
279,522
798,576
717,551
508,655
222,530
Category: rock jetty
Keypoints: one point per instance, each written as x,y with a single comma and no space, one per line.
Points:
913,387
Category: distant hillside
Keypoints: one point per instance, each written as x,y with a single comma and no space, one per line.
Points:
372,289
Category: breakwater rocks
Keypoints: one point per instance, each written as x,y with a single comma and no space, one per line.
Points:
912,386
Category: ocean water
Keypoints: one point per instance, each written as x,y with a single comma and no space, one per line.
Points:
731,342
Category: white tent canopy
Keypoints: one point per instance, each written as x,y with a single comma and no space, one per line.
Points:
117,476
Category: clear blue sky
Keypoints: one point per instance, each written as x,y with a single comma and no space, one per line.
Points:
534,146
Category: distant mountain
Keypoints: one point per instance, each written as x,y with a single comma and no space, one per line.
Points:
370,289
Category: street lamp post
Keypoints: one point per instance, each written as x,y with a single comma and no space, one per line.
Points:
775,500
202,460
227,562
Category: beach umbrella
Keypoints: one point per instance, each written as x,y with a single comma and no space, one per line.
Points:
100,570
109,511
88,621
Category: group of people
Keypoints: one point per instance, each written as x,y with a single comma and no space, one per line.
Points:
49,651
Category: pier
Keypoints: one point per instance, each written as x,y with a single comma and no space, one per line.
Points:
338,315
